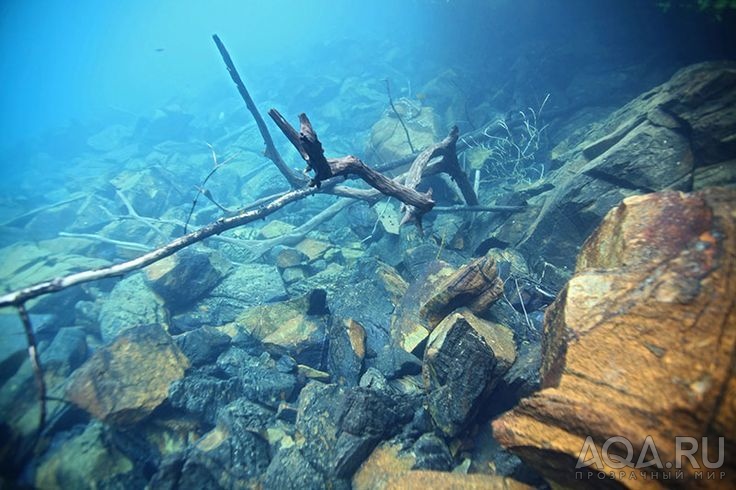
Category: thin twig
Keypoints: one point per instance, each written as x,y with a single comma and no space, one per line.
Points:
35,365
391,102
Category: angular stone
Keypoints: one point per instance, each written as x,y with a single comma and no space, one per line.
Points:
202,346
464,360
641,342
475,285
181,279
275,228
385,462
440,480
409,330
290,257
81,460
246,286
290,326
346,351
388,139
369,297
124,382
341,426
260,378
313,249
131,303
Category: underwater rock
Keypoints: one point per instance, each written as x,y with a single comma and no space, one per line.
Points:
442,480
124,382
275,228
652,296
369,297
84,461
260,377
181,279
663,139
464,360
129,304
245,286
203,395
290,257
67,351
290,470
341,426
409,330
232,455
346,351
475,285
385,462
151,190
297,326
394,362
388,140
431,453
202,346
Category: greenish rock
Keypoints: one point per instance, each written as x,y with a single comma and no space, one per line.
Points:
291,275
275,229
123,382
388,140
290,257
183,278
243,287
130,303
82,462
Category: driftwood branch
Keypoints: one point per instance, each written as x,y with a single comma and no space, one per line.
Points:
19,297
310,148
294,179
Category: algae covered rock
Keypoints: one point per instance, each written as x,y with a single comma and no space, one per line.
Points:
131,303
640,343
346,351
124,382
84,461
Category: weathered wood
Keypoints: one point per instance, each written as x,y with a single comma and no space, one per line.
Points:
310,148
294,179
19,297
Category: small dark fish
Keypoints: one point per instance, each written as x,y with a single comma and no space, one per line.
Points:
159,50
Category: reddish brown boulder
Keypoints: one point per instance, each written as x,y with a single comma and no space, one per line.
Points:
641,342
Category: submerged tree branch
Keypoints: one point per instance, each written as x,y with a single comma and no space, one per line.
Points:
295,180
17,298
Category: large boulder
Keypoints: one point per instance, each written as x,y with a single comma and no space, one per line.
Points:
641,343
84,461
340,426
670,137
465,359
125,381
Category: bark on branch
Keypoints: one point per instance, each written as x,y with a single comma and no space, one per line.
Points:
294,179
310,148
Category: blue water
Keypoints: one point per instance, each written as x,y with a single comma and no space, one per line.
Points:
94,94
68,69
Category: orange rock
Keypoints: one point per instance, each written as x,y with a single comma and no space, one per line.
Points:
125,381
439,480
641,342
